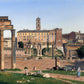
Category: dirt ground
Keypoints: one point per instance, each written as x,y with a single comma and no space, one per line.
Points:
42,64
45,63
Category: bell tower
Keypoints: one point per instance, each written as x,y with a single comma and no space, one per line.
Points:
38,24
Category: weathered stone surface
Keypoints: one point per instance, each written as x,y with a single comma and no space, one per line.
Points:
5,24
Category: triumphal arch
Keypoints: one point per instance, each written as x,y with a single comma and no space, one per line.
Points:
5,24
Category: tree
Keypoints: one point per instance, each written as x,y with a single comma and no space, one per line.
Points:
80,52
21,44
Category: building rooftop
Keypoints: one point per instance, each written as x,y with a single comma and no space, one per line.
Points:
34,31
26,30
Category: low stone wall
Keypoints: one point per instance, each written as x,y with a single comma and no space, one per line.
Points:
19,52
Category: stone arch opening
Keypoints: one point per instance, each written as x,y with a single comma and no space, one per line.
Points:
7,38
7,48
44,51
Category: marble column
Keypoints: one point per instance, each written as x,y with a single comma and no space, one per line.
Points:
30,49
56,67
1,50
37,50
13,55
41,52
70,55
67,54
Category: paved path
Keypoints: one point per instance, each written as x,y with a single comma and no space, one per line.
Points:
57,76
81,78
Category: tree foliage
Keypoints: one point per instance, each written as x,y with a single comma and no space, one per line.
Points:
80,52
21,44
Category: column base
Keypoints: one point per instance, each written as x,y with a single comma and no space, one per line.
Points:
13,66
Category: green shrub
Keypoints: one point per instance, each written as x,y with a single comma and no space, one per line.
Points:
25,67
80,52
39,75
16,69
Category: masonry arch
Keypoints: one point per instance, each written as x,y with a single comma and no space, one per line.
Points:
44,51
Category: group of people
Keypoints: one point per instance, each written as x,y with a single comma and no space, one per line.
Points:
78,71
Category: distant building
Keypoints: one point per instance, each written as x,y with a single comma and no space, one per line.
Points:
7,42
39,36
72,37
80,38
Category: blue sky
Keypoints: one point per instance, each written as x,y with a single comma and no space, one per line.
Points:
65,14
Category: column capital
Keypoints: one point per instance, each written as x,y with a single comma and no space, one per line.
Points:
13,32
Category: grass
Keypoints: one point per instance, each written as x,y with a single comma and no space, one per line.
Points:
74,73
16,69
13,78
46,56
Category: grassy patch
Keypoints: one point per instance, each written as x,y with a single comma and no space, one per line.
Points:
13,78
16,69
46,56
63,72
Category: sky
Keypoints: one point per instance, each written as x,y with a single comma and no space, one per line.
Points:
65,14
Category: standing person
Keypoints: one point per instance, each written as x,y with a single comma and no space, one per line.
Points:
79,72
26,70
34,68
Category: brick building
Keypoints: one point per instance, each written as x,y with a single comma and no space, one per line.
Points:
80,38
40,36
71,37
